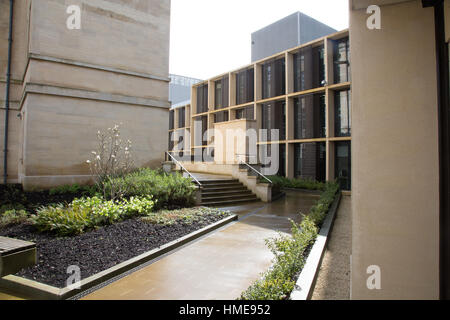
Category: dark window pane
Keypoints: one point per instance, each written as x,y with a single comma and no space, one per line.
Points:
273,78
202,98
309,68
341,61
245,113
245,86
181,117
309,117
171,119
221,117
343,115
274,117
310,161
343,164
221,93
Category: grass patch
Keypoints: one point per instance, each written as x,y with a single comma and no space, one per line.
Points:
290,252
187,215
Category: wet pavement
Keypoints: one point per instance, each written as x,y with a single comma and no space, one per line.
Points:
220,265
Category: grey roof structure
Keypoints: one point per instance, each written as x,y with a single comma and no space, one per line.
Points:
289,32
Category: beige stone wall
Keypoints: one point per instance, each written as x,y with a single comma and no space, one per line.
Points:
129,35
68,84
61,133
395,197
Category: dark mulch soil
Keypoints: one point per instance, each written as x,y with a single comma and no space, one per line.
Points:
97,250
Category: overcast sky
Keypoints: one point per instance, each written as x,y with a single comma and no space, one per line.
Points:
210,37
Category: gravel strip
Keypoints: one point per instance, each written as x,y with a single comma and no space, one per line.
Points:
333,281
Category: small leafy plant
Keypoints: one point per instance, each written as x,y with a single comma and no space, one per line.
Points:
12,217
87,213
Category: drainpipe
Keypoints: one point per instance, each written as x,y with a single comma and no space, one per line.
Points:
8,84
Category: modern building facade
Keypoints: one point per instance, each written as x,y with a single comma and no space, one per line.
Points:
303,94
289,32
67,84
400,150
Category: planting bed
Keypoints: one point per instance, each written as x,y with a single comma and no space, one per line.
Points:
100,249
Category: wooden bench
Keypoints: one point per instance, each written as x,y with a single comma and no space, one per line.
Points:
15,255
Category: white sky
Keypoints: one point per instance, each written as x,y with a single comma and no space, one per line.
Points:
210,37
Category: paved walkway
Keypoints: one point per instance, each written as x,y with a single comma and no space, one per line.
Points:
333,282
218,266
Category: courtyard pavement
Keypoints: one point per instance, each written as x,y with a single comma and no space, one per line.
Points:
220,265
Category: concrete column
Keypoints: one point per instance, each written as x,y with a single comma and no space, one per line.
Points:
289,72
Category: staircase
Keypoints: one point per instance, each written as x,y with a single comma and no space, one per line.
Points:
225,192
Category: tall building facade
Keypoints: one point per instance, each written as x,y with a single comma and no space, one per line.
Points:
302,93
66,84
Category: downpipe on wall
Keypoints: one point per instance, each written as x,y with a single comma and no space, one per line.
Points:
8,84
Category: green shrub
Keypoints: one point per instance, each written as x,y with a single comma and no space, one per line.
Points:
289,251
73,189
87,213
297,183
12,217
11,206
169,189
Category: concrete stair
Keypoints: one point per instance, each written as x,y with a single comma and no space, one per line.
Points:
225,192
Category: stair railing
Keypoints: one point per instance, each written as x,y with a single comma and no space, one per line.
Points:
184,169
251,167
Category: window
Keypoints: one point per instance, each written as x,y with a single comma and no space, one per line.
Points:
181,142
221,117
202,98
343,116
273,78
343,164
309,117
310,161
171,142
171,120
245,113
181,117
274,117
200,125
341,61
273,164
309,68
221,93
245,86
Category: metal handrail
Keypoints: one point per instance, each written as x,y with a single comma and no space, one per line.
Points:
182,167
259,173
